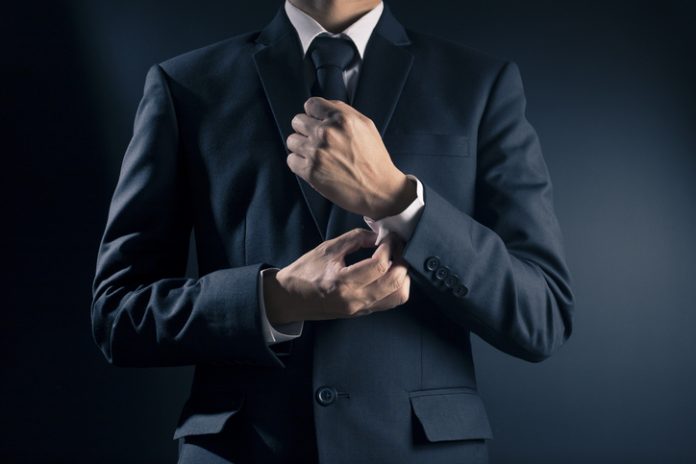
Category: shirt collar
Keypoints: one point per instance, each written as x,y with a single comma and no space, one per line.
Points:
308,28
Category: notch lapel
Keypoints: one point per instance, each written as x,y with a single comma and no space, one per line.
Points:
279,65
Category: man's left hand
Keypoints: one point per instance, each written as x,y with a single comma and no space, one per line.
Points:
340,153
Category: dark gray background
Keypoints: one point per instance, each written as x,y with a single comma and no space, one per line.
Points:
610,89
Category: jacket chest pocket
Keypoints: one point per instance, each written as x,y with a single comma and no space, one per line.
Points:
451,414
427,144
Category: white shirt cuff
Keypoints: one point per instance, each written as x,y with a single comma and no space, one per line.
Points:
403,223
279,333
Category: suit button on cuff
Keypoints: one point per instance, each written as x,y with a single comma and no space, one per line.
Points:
460,291
432,263
451,280
442,273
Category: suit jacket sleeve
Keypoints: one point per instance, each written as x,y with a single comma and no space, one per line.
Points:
509,254
145,312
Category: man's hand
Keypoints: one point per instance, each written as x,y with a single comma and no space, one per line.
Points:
319,285
340,153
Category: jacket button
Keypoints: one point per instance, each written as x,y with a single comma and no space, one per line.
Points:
451,280
432,263
326,395
442,272
460,291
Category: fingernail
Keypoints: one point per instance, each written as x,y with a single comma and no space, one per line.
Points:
389,263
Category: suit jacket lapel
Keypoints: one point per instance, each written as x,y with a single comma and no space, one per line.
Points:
280,67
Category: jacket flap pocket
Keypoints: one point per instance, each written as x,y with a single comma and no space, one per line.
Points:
427,144
207,414
451,414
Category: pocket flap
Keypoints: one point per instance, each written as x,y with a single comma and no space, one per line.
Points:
427,144
202,415
451,414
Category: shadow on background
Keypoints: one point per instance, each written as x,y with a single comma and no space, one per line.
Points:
610,91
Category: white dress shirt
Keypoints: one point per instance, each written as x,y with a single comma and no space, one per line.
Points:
403,223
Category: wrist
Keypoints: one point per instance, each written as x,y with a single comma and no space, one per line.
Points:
279,305
402,193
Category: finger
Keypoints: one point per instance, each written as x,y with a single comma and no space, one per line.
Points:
298,143
320,108
351,241
394,299
297,164
391,240
386,284
304,124
367,270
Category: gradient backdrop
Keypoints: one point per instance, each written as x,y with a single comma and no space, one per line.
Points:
610,89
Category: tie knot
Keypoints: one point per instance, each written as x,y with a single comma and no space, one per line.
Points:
332,51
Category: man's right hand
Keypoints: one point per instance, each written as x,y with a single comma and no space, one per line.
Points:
319,285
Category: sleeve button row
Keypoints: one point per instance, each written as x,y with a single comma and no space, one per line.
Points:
446,280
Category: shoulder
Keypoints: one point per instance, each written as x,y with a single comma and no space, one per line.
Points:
211,59
455,56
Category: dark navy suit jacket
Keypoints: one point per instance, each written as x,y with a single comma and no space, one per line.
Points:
208,154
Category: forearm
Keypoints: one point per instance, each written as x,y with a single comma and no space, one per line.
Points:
501,269
181,321
517,298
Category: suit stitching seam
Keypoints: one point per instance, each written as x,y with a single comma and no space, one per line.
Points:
493,89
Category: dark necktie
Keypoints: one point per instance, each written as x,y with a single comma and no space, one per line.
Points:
331,56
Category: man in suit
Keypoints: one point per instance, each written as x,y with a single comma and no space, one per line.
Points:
315,338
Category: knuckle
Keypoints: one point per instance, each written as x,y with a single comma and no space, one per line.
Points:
339,118
311,101
352,307
311,153
403,298
398,282
404,294
406,290
326,287
316,159
324,248
330,133
341,288
357,232
320,132
330,248
367,300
